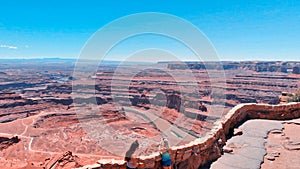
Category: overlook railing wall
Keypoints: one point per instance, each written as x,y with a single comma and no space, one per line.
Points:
204,150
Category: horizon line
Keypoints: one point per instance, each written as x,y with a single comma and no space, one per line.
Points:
69,58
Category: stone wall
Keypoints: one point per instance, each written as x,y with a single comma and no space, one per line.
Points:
204,150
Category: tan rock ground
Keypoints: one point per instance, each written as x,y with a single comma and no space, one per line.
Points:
283,148
265,144
247,151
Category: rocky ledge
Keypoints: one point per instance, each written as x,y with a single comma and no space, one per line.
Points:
209,148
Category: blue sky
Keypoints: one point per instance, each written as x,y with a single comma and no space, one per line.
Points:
239,30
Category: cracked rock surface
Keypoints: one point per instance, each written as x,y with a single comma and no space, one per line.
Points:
248,149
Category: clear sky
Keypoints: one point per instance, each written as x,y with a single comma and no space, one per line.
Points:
239,30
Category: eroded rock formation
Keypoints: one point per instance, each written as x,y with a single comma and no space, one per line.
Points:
6,142
66,160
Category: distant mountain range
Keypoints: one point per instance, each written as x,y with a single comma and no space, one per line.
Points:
37,60
68,60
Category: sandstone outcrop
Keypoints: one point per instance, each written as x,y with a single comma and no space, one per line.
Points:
173,101
6,142
66,160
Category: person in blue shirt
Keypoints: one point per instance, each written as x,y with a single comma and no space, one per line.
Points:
165,155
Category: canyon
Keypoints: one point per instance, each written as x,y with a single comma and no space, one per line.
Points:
53,117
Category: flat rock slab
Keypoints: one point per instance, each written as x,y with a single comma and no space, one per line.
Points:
245,141
252,153
239,161
249,148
